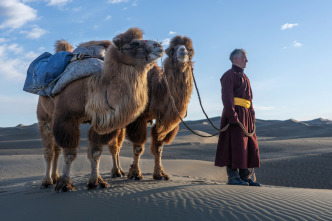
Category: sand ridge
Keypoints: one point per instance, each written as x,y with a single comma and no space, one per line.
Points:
197,191
295,173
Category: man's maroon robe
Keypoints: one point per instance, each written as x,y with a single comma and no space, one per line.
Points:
235,149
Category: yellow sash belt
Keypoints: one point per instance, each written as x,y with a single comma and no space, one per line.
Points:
242,102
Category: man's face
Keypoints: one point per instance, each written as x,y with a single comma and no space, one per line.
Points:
241,61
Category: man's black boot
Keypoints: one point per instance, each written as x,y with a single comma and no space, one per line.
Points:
251,182
237,181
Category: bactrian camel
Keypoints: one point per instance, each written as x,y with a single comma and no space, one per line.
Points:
178,68
109,101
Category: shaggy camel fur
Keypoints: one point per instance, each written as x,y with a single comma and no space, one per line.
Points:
109,101
63,45
178,71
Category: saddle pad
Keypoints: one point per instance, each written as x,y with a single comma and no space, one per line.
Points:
77,70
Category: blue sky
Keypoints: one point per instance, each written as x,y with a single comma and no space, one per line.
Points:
288,44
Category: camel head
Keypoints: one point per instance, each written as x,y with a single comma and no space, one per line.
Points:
180,50
133,50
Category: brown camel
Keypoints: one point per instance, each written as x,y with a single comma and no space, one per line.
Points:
178,71
109,101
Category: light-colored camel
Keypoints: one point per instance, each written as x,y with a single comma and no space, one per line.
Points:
109,101
178,71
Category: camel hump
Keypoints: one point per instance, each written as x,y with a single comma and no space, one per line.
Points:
63,45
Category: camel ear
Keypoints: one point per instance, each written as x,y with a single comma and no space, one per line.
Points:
117,42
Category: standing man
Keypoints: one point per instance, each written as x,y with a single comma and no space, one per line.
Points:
237,151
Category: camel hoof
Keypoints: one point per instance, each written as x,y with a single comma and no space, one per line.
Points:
117,173
122,173
64,184
161,176
55,178
135,176
98,183
47,183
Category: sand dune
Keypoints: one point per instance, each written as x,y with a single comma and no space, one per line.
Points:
295,173
197,191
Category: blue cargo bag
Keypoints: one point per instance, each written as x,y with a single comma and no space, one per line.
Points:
44,72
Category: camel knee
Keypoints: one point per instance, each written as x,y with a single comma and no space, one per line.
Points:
94,151
138,150
156,150
48,154
114,149
159,149
57,149
69,154
95,155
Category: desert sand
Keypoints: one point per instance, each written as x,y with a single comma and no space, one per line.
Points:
296,163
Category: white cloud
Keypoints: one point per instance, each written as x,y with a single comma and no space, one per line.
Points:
288,26
117,1
58,2
108,17
15,48
172,33
77,9
16,14
35,33
14,68
166,42
3,40
296,44
31,55
10,69
24,1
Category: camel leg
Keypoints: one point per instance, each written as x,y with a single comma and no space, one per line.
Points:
95,180
47,139
64,183
55,175
95,149
134,171
114,147
137,133
156,150
67,135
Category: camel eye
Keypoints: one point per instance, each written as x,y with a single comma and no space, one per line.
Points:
134,45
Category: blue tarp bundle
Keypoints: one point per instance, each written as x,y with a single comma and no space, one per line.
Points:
81,68
49,74
44,71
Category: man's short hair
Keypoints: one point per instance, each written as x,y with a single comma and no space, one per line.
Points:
236,53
